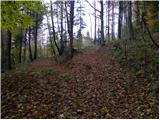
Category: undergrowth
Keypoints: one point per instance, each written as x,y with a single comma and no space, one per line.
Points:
139,57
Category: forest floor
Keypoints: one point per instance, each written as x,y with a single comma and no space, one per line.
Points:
91,85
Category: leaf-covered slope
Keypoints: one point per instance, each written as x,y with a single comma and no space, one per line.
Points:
91,85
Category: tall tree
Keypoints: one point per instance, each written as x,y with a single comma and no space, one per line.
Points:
20,45
108,20
102,24
50,36
62,42
144,17
113,36
25,45
9,49
95,23
120,19
130,26
79,20
53,30
35,37
70,23
29,43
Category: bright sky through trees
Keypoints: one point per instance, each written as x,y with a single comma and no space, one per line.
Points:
88,18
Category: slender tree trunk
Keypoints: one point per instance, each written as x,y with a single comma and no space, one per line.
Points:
80,25
3,51
70,22
102,24
20,47
113,20
95,33
108,19
9,49
58,28
120,20
54,37
62,42
71,28
29,42
125,24
50,38
35,38
25,44
91,25
131,32
65,41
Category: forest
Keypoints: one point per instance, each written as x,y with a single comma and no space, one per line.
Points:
80,59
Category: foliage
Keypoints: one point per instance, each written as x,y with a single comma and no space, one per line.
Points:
15,14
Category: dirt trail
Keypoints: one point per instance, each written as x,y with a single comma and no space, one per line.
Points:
91,85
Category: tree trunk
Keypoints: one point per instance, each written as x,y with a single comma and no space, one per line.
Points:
54,37
9,49
147,28
120,20
62,42
25,44
71,28
95,34
58,28
130,26
113,20
108,19
70,22
20,47
35,37
90,26
29,42
50,38
102,24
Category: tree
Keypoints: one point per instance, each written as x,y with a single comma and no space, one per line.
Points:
108,20
95,21
15,18
78,21
35,38
146,20
62,42
53,30
29,43
102,24
120,19
145,23
9,49
50,36
113,36
70,22
25,45
130,26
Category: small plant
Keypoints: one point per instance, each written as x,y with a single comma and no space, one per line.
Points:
47,71
65,77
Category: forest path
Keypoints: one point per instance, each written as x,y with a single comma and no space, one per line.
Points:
91,85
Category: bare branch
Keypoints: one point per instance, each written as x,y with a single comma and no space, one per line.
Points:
92,6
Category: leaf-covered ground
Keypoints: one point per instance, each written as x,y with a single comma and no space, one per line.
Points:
91,85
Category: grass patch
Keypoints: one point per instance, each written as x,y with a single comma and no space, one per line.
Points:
48,71
65,77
